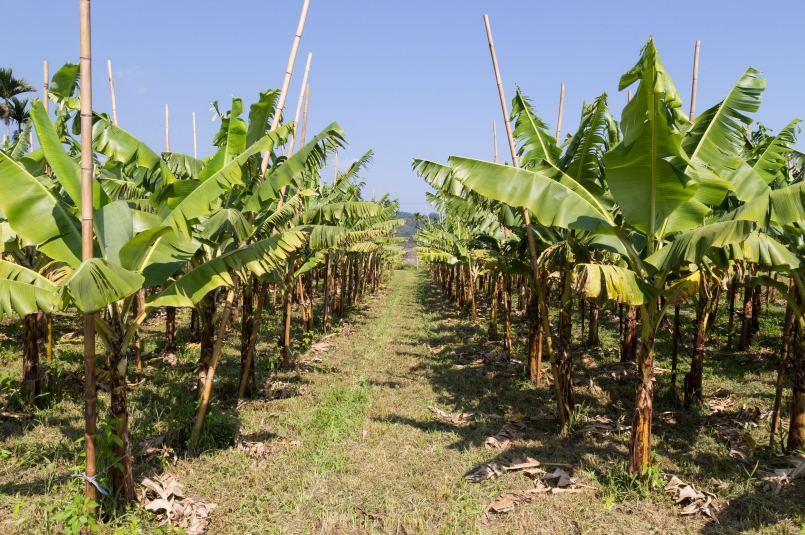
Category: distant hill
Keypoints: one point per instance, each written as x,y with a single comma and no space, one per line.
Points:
409,229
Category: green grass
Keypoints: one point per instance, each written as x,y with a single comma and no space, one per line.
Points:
373,459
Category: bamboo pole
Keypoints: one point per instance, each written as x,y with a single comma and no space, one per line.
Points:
695,80
629,96
195,146
90,397
46,86
561,109
335,166
299,105
112,90
304,117
210,377
495,139
287,81
167,130
512,148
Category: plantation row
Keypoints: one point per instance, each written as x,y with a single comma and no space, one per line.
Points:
252,220
649,213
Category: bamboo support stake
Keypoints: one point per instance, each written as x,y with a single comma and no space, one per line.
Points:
629,96
287,81
216,352
335,166
512,148
46,86
112,90
195,146
495,138
695,80
561,109
526,218
304,117
167,130
90,397
299,105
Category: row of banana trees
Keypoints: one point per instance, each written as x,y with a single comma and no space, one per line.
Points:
243,223
648,213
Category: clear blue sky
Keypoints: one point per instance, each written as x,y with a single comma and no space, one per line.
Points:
406,78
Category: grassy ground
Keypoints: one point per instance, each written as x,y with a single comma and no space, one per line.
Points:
373,459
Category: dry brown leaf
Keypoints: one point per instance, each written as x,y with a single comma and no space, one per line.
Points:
508,433
697,502
595,389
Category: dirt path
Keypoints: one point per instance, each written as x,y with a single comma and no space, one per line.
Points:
374,460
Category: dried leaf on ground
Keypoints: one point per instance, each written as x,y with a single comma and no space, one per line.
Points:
603,425
169,358
734,426
155,447
321,347
460,418
508,433
595,389
783,476
434,350
283,390
167,498
692,501
507,501
482,472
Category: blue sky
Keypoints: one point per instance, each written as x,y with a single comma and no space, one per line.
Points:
406,78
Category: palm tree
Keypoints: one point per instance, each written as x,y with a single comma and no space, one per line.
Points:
10,87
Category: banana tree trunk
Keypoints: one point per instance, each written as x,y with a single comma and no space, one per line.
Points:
194,334
756,309
534,339
286,320
675,349
781,367
49,338
640,441
493,310
170,328
507,315
593,340
30,361
565,354
746,320
247,327
731,321
629,341
247,377
206,314
122,478
342,300
542,295
693,379
325,320
796,426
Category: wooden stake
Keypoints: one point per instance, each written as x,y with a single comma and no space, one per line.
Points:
335,166
695,80
495,138
46,90
167,130
287,81
90,398
195,146
561,109
112,90
299,105
629,96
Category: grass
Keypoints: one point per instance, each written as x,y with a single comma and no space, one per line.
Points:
372,458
